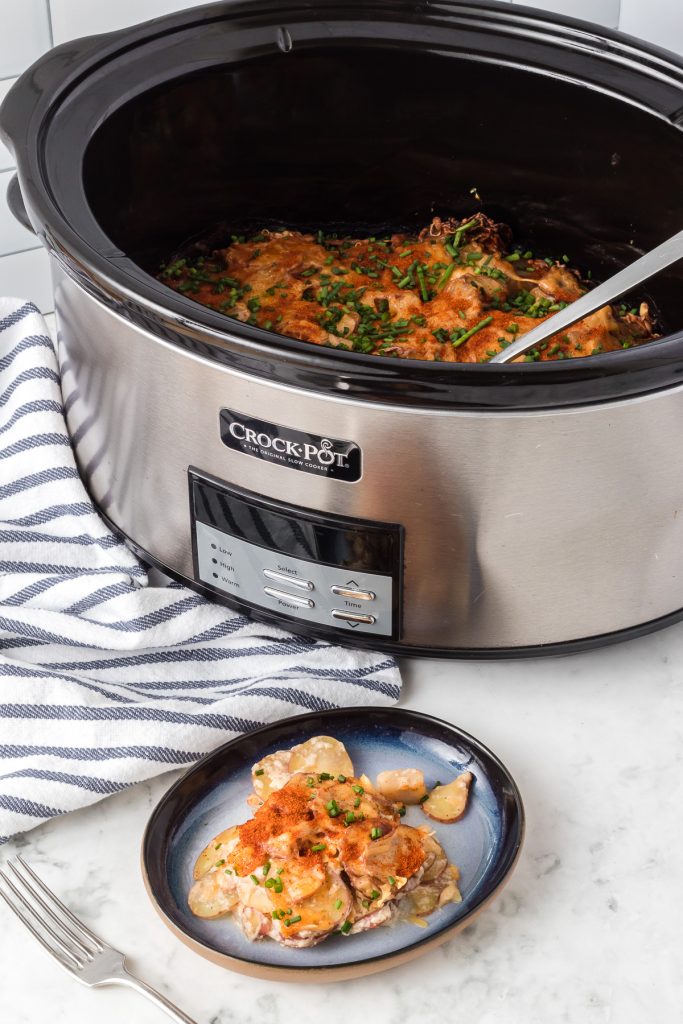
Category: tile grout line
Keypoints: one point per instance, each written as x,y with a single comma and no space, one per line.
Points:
49,23
19,252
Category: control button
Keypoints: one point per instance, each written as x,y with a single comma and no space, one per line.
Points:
280,595
353,618
290,581
354,595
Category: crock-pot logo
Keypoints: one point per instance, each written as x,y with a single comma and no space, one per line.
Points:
295,449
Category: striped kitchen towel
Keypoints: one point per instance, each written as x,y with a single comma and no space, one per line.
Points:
106,680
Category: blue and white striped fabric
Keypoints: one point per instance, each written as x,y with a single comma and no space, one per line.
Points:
106,680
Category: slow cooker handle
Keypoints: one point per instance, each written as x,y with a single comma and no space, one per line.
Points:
15,201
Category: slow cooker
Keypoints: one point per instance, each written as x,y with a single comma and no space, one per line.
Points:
415,507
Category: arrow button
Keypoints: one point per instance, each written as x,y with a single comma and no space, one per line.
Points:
353,618
351,594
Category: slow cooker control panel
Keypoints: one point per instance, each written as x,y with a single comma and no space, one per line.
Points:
295,562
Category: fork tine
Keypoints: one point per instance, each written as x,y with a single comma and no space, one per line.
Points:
85,951
61,957
56,902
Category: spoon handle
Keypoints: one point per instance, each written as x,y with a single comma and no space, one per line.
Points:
630,277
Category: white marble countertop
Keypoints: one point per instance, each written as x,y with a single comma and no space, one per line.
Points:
588,929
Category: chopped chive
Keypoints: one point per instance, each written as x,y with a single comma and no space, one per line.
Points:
228,871
318,847
310,781
356,802
325,777
260,771
358,789
421,281
391,880
338,905
266,867
423,798
473,330
374,895
444,277
513,257
292,920
218,846
402,811
346,927
376,833
254,879
220,863
461,231
342,778
349,817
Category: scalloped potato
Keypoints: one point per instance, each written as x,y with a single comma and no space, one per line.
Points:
325,852
215,851
321,754
448,803
402,785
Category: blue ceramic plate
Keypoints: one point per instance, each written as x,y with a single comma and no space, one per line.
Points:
484,844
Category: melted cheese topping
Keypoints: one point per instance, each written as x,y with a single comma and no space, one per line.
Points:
453,293
319,855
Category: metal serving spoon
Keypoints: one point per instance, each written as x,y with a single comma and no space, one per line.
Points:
643,269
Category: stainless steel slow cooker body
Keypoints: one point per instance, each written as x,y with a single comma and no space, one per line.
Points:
419,508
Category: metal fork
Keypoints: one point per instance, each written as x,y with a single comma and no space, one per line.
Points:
86,957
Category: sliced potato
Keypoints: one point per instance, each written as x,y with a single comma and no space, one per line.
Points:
436,862
422,901
321,754
216,851
448,803
366,784
451,894
322,911
271,773
210,898
402,785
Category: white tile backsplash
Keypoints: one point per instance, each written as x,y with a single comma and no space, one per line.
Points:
6,158
73,18
24,34
601,12
26,275
659,21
